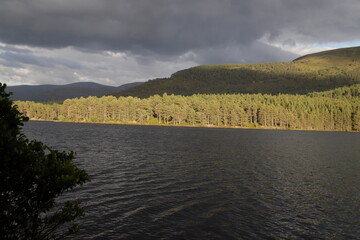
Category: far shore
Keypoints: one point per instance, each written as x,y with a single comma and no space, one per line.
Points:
191,126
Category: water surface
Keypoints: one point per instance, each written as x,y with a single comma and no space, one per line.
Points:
152,182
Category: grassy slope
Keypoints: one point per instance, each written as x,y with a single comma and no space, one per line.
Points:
314,72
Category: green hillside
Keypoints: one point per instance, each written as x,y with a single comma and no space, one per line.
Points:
315,72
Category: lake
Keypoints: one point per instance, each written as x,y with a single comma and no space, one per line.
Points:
151,182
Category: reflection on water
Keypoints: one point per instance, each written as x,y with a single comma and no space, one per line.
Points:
200,183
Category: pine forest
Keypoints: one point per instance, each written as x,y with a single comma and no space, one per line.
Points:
334,110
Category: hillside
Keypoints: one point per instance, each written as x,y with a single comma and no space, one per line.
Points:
45,93
315,72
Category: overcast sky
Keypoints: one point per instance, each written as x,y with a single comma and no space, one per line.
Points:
114,42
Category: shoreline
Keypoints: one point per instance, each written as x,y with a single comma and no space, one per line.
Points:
194,126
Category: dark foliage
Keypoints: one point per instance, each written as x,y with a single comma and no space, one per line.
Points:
32,175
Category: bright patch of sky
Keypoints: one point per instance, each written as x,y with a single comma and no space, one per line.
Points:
308,48
335,45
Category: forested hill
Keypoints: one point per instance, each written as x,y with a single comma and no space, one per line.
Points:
46,93
315,72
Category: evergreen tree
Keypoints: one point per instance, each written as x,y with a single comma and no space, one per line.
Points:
32,175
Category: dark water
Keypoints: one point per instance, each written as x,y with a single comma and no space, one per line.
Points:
200,183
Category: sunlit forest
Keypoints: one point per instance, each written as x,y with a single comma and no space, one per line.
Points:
338,109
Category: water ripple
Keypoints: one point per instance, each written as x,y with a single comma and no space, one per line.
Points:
194,183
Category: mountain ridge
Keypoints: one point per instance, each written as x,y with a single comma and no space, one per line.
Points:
313,72
52,92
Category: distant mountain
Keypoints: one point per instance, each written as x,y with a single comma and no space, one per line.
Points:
46,93
315,72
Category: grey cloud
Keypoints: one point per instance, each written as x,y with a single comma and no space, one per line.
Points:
9,48
24,59
158,37
256,52
97,67
171,27
16,59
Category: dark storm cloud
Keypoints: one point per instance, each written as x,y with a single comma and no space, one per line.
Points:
120,41
139,26
171,27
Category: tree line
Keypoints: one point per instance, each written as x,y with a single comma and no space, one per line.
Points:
338,109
